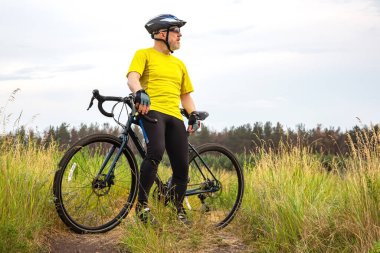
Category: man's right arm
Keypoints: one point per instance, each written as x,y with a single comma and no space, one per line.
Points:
142,100
134,81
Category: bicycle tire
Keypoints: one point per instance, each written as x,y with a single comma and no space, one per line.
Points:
221,206
83,201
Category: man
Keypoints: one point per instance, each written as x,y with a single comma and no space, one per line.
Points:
160,82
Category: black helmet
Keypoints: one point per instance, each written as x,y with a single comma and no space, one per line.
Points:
163,21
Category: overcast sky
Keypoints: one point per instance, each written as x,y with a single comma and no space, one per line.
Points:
295,61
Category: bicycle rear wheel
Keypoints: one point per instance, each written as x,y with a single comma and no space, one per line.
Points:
84,200
216,185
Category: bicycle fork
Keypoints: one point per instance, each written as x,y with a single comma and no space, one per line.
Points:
108,180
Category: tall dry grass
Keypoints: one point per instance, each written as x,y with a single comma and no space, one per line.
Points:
293,204
26,207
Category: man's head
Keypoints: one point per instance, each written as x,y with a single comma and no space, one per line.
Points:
172,37
166,28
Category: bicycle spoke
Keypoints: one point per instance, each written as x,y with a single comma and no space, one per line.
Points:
90,200
216,184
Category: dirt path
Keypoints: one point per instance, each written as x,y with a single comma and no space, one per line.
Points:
228,243
88,243
109,243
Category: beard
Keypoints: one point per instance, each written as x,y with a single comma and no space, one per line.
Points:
175,46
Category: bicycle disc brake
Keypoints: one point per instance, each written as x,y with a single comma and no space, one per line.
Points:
100,186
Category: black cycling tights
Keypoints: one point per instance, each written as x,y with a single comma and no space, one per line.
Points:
168,133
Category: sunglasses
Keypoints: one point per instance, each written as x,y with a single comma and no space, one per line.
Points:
173,29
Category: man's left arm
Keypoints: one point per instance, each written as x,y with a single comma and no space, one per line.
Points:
187,103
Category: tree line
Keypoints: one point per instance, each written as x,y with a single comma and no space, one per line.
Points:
240,139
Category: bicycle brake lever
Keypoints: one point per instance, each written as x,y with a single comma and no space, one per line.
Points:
91,103
138,116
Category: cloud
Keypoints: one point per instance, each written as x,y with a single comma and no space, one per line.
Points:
268,103
376,5
233,30
42,72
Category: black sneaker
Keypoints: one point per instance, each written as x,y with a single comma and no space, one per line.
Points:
144,214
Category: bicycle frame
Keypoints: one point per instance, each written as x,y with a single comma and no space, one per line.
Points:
129,133
158,180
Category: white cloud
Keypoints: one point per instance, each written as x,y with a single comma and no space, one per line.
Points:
268,103
42,72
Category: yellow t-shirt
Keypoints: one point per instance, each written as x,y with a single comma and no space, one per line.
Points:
163,77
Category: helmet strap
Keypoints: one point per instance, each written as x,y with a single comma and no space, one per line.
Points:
166,41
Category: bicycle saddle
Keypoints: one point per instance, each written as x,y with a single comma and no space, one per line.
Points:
202,115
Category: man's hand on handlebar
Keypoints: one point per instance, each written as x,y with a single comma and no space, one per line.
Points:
142,102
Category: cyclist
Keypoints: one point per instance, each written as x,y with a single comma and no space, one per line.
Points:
160,83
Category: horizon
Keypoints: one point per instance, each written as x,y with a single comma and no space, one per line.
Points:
28,126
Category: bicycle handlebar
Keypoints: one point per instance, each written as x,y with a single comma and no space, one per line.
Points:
128,100
201,115
101,99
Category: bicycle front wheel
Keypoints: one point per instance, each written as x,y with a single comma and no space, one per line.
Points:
89,199
216,184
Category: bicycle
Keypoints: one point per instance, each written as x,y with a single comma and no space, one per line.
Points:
96,183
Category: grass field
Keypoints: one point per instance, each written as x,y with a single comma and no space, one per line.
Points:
291,204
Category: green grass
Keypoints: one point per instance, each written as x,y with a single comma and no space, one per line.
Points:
291,204
170,236
26,173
